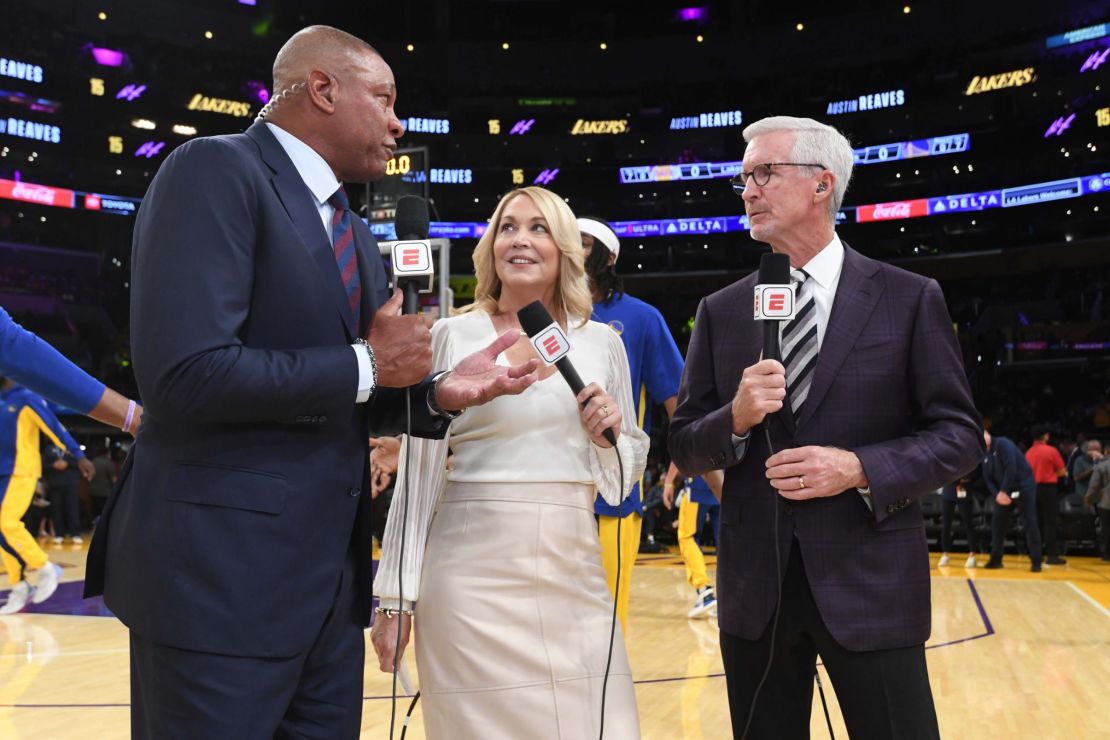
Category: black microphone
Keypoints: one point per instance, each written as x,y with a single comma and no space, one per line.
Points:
412,253
774,300
552,344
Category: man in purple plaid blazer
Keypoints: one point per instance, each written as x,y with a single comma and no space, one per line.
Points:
868,411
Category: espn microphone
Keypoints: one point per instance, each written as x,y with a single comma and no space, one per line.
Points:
552,345
412,252
774,300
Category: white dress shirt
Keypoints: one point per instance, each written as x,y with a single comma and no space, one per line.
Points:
824,275
322,183
824,270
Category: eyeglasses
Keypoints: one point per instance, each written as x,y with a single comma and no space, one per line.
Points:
762,174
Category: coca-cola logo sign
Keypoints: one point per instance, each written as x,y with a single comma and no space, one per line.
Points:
32,193
893,211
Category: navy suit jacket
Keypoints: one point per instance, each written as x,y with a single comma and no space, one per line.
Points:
248,484
889,385
1006,469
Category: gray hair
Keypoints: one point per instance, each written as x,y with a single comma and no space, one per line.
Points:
813,142
1092,444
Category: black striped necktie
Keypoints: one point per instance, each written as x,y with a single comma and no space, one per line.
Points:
799,342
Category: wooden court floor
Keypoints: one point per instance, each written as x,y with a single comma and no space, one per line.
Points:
1013,654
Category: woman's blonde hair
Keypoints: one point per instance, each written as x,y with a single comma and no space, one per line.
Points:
572,291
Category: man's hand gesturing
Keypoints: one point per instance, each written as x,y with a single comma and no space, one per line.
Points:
478,378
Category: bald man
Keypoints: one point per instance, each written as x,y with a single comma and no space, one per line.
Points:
267,349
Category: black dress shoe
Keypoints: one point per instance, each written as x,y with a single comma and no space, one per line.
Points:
993,564
1056,560
1036,566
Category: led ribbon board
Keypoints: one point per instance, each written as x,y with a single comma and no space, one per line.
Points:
43,132
931,147
1021,195
719,119
20,70
46,195
1080,34
427,126
871,101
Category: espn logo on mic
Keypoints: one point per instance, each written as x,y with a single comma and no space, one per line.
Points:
774,302
412,258
551,344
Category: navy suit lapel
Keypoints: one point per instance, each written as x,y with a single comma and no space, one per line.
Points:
371,273
856,297
300,204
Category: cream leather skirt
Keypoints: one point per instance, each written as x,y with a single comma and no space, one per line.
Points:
514,617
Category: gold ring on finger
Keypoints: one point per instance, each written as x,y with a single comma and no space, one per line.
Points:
801,482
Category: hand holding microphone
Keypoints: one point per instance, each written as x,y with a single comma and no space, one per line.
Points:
762,388
600,414
402,341
402,345
597,408
762,391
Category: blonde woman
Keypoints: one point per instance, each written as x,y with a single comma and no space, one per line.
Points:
502,565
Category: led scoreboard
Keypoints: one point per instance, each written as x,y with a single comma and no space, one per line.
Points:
668,172
405,174
931,147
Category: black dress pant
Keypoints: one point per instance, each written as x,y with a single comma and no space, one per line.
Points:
1048,516
947,509
183,694
1000,524
65,509
882,693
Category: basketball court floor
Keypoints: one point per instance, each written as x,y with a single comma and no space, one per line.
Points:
1013,654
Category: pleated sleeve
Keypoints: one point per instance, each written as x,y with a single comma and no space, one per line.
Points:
632,444
421,481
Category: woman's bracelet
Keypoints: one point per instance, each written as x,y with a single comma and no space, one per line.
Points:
130,417
391,613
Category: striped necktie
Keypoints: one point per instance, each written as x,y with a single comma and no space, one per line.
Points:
343,244
799,343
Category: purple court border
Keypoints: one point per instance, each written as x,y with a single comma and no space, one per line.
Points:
987,627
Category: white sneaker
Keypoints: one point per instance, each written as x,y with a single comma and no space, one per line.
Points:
706,602
971,561
17,598
77,540
943,560
59,540
47,584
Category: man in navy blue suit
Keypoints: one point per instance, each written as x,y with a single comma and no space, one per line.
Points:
267,347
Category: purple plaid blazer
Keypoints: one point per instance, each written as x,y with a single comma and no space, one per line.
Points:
890,386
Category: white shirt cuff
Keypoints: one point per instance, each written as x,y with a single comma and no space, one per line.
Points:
392,602
365,374
865,494
740,445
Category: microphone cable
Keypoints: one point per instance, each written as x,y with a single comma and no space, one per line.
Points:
778,608
616,600
408,715
778,596
400,578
